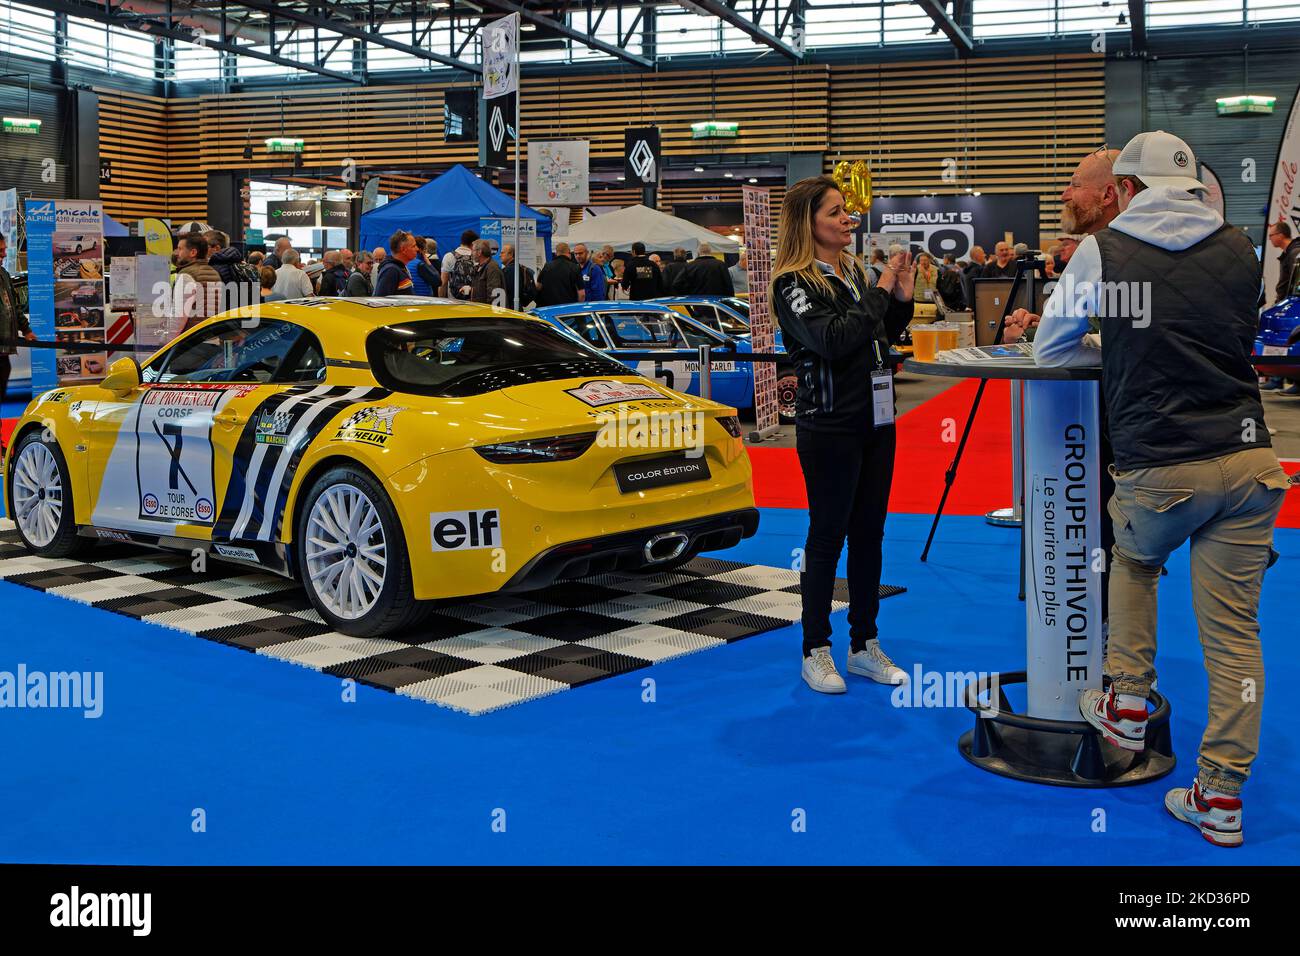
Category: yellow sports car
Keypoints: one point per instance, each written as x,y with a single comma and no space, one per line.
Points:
385,452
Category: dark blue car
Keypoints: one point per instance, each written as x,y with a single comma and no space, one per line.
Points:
1278,334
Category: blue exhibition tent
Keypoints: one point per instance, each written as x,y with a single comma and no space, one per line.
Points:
445,207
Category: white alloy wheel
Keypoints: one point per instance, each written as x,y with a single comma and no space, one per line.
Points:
38,494
347,555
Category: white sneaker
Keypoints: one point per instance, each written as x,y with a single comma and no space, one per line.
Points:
820,674
872,662
1216,815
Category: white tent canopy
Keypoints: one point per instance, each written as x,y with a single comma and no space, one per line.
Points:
658,230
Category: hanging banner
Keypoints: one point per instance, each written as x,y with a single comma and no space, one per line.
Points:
502,231
758,266
641,155
500,89
1283,198
9,227
335,214
558,172
65,287
283,213
498,132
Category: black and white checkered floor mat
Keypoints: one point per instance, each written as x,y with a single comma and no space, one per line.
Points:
473,657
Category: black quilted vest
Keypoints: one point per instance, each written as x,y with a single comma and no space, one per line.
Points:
1182,388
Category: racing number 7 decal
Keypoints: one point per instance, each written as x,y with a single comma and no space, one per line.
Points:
174,450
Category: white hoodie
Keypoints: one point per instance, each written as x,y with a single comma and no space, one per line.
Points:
1164,216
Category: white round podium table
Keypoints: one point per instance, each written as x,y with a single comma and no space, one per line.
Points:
1063,564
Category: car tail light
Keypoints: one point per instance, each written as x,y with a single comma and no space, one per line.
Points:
731,423
556,448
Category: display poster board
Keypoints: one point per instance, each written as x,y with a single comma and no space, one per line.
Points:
121,284
65,282
9,227
758,266
951,225
335,214
558,172
527,248
155,323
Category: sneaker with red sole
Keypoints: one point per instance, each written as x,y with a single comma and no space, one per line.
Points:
1216,815
1122,726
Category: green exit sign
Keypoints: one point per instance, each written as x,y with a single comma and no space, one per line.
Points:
27,125
1245,105
714,129
284,144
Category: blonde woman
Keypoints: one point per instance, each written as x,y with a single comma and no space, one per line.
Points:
834,324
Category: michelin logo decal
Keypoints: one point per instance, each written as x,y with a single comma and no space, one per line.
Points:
374,426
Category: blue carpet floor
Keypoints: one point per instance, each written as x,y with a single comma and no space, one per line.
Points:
715,770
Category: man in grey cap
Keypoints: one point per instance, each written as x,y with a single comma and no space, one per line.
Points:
1193,458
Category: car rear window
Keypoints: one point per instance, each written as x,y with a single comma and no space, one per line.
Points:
452,358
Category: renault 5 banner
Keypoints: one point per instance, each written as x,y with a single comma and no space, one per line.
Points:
65,282
951,225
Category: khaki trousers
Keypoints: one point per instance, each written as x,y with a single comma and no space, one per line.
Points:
1227,506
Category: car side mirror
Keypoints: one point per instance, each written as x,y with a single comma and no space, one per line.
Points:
123,376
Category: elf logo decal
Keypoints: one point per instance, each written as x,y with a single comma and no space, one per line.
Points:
465,530
371,425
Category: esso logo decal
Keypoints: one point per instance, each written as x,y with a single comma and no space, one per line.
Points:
150,504
465,530
203,508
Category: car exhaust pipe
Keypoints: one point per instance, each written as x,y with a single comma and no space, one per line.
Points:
665,547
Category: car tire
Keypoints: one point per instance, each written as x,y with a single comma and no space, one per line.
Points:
787,388
41,489
359,586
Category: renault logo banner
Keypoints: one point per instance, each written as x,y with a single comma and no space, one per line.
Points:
641,155
496,131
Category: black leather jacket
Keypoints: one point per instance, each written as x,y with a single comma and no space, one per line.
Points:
835,343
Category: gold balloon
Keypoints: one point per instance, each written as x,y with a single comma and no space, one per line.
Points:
854,182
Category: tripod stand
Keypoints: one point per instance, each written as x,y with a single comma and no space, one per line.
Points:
1028,267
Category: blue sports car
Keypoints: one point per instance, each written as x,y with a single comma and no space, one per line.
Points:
1279,333
730,316
620,327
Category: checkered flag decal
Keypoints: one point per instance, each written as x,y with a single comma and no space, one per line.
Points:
473,656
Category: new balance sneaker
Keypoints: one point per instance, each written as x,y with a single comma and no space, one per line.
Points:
872,662
820,674
1121,719
1216,815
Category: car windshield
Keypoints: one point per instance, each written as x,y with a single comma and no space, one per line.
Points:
457,357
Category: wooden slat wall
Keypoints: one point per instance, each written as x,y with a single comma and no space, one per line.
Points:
1012,124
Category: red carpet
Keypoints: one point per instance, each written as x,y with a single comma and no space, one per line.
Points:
927,441
983,481
6,426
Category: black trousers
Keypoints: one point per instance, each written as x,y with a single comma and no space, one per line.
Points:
848,479
4,376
